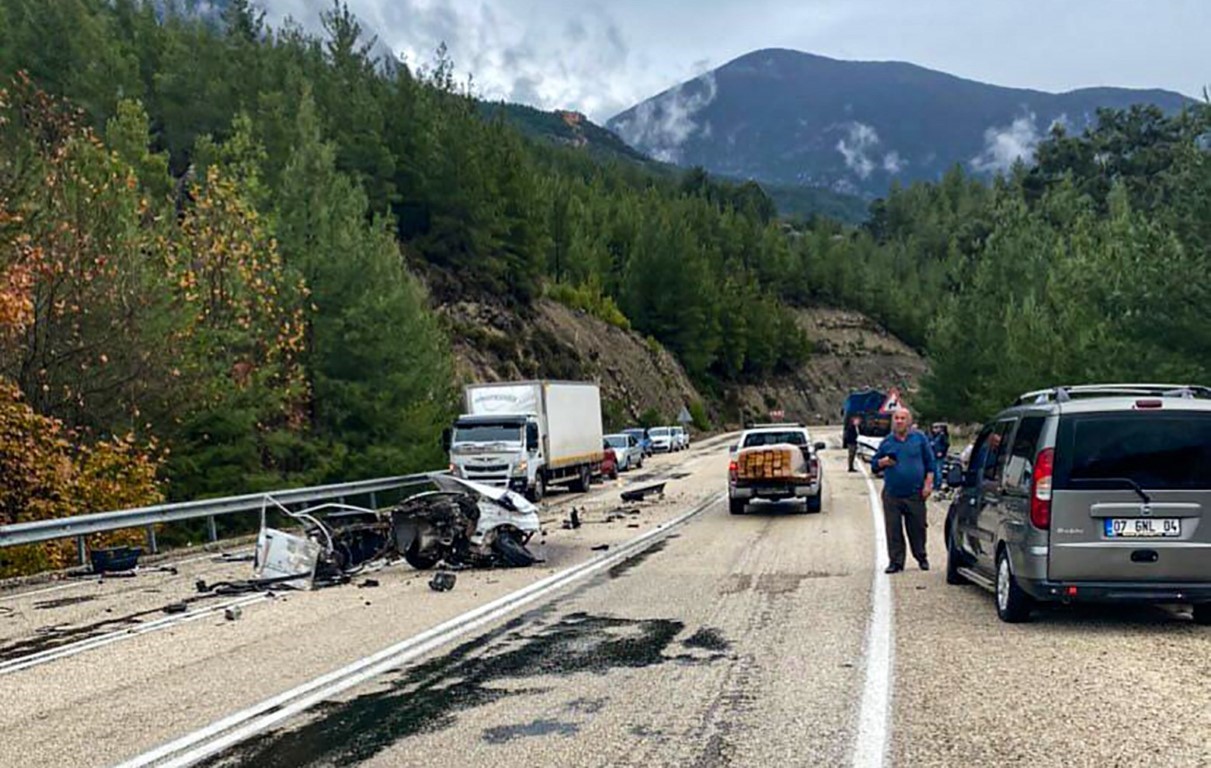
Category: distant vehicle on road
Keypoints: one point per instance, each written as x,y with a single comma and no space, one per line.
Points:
627,451
528,435
873,408
609,462
775,463
663,440
641,434
1097,493
682,436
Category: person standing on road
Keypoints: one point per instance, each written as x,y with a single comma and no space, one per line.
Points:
849,439
906,460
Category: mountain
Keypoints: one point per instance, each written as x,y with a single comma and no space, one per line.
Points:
789,117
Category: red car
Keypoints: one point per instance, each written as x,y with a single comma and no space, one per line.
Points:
609,463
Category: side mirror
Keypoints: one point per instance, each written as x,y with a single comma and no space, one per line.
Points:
447,439
531,437
819,446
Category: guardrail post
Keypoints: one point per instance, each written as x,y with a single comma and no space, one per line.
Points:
151,540
373,500
82,550
212,530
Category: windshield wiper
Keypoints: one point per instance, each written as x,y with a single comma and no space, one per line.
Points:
1121,480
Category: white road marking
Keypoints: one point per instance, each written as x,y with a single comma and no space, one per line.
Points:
233,729
88,644
870,749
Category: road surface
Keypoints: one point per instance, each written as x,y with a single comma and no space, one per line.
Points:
770,638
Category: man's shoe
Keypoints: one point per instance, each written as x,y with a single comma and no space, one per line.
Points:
851,469
924,564
893,569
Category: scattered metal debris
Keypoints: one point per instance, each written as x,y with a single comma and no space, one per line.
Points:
573,520
641,494
175,608
368,583
601,547
442,581
115,559
233,613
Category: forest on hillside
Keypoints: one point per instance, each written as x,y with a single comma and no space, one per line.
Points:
1091,264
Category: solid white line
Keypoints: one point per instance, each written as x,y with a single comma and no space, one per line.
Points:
88,644
237,727
870,748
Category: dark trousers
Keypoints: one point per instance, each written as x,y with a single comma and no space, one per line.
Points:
853,451
900,514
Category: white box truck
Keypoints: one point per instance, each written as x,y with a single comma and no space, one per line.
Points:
529,435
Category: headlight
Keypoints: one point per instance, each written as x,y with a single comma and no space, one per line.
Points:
522,466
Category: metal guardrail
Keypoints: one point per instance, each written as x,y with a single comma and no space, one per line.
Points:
80,526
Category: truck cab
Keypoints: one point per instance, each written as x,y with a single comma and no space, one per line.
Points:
503,451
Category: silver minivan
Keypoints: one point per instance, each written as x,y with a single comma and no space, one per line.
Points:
1097,493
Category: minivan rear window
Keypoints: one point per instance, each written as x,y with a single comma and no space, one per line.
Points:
1156,451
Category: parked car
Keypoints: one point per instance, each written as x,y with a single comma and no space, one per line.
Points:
663,439
628,453
683,437
1096,493
609,462
775,463
641,434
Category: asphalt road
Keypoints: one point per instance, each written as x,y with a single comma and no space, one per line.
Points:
735,641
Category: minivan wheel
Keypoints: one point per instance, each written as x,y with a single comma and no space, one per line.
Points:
1013,604
1202,614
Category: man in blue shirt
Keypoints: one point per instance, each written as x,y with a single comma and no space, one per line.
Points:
906,460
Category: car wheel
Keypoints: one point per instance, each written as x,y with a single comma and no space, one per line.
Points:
639,464
815,503
1202,614
421,562
736,506
954,559
511,551
614,473
1013,604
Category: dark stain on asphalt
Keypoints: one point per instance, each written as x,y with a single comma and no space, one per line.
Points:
707,639
633,562
510,661
61,602
506,733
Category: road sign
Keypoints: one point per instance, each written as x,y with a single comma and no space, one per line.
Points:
684,417
777,415
892,402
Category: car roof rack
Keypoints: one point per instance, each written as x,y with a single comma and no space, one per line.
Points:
1064,394
776,425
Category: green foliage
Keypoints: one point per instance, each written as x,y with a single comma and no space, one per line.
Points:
589,298
702,422
651,418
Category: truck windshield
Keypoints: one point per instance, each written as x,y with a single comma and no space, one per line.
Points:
1154,451
488,433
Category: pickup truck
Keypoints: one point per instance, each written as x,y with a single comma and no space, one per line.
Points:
775,463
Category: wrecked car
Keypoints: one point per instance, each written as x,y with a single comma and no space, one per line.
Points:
460,524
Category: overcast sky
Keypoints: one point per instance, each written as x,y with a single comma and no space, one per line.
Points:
601,57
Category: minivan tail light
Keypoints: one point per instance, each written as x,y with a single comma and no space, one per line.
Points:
1149,404
1040,489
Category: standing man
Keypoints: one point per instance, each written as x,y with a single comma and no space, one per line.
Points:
849,439
906,460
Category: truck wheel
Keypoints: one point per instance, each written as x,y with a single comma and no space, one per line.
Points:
583,481
536,493
1013,604
736,506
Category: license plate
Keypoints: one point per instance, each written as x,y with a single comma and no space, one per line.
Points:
1143,527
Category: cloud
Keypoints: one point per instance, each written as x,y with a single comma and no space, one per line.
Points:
577,58
855,146
662,125
1006,145
892,162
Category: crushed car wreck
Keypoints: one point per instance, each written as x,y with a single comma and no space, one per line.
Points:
459,524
